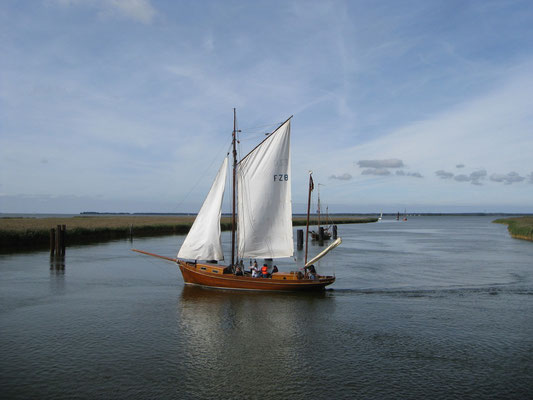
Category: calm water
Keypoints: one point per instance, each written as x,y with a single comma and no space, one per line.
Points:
435,307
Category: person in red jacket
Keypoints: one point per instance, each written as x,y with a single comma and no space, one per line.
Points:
264,271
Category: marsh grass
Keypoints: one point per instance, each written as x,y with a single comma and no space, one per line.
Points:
518,227
20,233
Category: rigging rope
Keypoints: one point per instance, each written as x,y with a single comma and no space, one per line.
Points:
202,178
253,129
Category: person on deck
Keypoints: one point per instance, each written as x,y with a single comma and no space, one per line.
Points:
274,269
264,271
255,271
254,266
311,272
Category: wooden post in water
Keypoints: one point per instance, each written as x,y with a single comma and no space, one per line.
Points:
300,239
58,240
63,237
334,231
52,241
321,233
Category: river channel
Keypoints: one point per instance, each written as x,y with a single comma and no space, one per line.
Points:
433,307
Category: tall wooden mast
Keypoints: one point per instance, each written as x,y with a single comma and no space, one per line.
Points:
318,208
234,186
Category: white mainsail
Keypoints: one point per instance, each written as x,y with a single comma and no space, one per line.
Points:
264,198
203,241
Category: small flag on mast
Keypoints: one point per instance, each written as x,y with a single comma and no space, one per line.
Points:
311,184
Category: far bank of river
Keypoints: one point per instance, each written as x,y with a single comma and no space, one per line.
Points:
34,233
518,227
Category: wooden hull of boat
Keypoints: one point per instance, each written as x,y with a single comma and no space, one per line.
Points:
194,275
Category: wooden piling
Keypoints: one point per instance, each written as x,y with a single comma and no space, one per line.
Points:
58,240
334,228
321,233
300,239
52,241
63,238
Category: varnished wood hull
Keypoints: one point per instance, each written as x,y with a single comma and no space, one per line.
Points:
193,275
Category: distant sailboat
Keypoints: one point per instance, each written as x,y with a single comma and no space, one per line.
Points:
380,217
263,229
326,235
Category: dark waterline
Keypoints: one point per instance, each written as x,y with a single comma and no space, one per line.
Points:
435,307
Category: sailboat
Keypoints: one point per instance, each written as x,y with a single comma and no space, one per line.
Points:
326,235
380,217
263,228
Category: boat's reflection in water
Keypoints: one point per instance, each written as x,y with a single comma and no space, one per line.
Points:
249,332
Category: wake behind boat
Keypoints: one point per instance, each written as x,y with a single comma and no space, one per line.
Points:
263,228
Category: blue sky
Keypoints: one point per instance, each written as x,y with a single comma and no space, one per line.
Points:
110,105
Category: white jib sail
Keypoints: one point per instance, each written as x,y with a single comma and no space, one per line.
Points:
203,240
264,198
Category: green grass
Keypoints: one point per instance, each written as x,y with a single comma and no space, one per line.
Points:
518,227
34,233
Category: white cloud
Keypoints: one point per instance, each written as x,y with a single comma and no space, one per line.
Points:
412,174
443,174
462,178
474,177
376,171
344,177
477,176
391,163
135,10
509,178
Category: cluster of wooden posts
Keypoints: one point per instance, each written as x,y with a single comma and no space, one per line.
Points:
300,235
57,240
58,236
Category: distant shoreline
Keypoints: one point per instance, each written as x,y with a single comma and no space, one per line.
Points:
27,233
32,231
518,227
295,215
474,214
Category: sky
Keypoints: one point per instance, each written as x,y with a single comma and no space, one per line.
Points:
127,105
